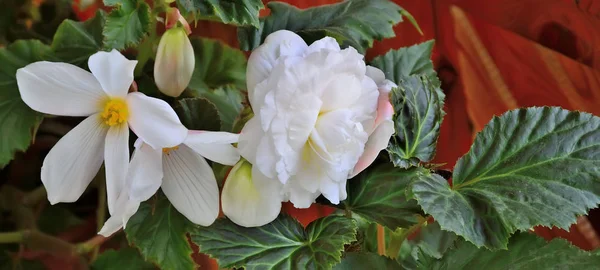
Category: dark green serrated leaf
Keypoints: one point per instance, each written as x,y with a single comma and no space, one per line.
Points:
433,240
379,195
352,23
17,120
219,74
239,12
123,259
525,251
404,62
158,230
198,114
74,42
528,167
127,24
281,244
361,261
418,113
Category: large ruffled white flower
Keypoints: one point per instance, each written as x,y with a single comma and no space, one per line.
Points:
183,175
321,116
102,96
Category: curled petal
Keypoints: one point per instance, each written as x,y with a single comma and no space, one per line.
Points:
215,146
378,141
126,208
74,161
113,71
154,121
60,89
249,198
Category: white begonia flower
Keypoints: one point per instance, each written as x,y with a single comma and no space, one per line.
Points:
102,96
183,175
321,117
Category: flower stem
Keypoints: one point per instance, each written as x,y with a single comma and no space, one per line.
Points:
381,240
11,237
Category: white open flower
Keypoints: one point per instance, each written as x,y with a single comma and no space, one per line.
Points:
321,116
183,175
102,96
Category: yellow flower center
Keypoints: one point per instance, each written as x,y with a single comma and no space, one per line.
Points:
168,150
115,112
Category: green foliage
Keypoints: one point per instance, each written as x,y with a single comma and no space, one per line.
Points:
159,232
239,12
74,42
127,24
525,251
281,244
353,23
17,121
198,114
399,64
379,195
418,113
219,76
528,167
434,241
122,259
360,261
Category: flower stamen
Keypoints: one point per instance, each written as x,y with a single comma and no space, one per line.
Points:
167,151
115,112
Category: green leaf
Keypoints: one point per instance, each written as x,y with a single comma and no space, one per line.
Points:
74,42
239,12
360,261
17,121
352,23
379,195
528,167
525,251
198,114
158,230
123,259
433,240
219,74
281,244
127,24
418,113
399,64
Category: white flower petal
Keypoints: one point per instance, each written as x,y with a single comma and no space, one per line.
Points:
249,198
145,172
377,141
376,74
126,208
341,92
74,161
326,43
60,89
154,121
190,185
113,71
250,138
215,146
263,59
300,197
116,162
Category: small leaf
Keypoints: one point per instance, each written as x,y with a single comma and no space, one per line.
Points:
219,75
353,23
359,261
433,240
17,120
379,195
418,105
525,251
127,24
74,42
123,259
528,167
281,244
198,114
159,232
239,12
404,62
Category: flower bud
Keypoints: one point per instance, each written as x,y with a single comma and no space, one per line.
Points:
174,63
